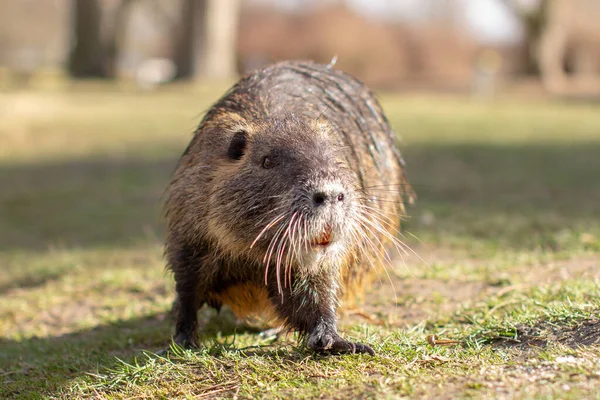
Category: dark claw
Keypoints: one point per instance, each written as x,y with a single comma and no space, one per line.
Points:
332,343
346,347
363,348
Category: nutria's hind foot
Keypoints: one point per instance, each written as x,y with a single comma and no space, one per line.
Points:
329,342
186,341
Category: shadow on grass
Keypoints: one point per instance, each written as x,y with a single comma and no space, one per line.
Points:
37,366
520,197
44,365
581,334
514,193
82,203
30,282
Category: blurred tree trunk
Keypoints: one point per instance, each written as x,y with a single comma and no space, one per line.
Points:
97,35
85,58
563,39
534,21
190,39
115,37
206,42
222,21
553,45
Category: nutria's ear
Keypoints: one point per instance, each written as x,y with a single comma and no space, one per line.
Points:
237,146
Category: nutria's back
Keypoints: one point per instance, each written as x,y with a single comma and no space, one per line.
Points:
287,193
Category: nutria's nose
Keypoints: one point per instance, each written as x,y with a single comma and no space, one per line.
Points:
321,197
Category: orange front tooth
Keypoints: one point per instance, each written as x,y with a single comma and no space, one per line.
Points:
324,237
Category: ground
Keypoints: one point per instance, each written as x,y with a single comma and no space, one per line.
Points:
498,297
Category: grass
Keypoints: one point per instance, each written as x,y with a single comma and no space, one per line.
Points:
508,229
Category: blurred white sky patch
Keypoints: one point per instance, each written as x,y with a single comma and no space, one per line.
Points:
489,21
390,9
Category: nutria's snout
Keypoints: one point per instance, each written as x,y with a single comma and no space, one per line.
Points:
324,195
322,198
329,210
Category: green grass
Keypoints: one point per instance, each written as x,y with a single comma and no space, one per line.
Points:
508,228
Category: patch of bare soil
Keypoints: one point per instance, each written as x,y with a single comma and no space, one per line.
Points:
401,301
408,302
585,267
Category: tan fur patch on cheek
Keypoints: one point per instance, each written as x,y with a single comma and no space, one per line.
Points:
224,234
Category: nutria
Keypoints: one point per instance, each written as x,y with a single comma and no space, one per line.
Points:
283,201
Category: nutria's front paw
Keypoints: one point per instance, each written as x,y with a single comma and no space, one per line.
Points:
332,343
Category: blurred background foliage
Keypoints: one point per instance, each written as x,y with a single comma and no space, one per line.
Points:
457,45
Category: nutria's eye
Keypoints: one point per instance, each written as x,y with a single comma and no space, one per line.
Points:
267,162
237,147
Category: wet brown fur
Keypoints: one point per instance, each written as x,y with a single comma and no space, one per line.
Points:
318,118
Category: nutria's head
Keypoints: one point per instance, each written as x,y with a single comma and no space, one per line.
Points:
283,193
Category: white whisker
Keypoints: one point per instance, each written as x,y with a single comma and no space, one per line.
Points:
266,228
